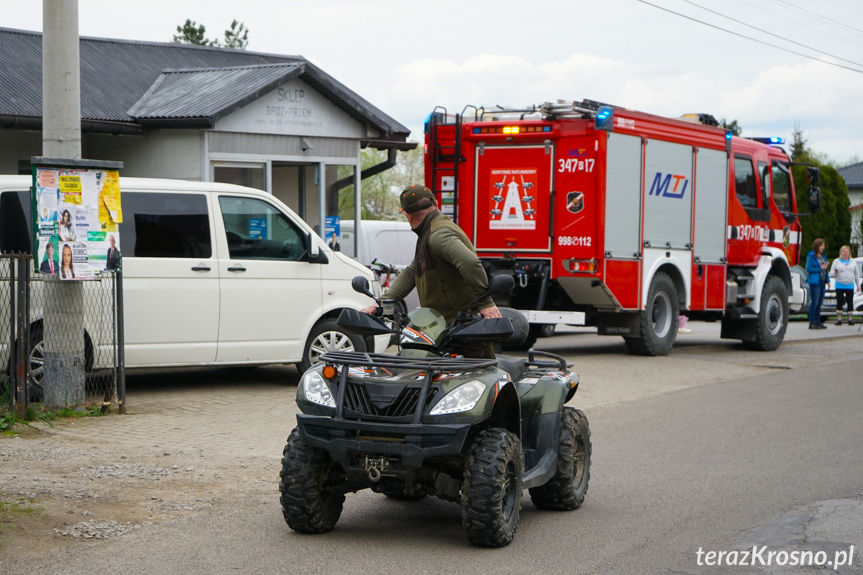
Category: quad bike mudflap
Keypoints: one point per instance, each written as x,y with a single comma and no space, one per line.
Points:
472,431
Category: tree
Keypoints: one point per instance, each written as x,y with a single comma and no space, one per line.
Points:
192,33
735,128
236,37
380,193
833,221
798,143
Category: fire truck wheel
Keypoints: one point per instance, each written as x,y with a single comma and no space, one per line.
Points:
772,318
659,321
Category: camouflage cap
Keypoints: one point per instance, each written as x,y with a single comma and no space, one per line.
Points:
415,198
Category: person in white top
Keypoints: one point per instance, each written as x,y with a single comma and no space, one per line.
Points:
844,269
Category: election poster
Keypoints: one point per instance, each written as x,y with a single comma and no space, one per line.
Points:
77,212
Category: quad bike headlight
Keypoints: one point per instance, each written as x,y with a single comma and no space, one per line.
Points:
462,398
316,390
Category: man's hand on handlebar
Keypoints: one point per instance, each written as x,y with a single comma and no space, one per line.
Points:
371,309
490,312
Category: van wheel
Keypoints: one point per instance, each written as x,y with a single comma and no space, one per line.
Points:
327,335
37,361
37,364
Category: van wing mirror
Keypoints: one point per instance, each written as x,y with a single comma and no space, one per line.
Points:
316,256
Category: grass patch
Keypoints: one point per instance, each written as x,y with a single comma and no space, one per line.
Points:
36,413
11,510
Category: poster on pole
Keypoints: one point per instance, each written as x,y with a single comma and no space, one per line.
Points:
77,212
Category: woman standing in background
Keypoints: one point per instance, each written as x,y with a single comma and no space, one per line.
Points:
816,267
844,269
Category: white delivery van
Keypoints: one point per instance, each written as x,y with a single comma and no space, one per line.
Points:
389,242
213,274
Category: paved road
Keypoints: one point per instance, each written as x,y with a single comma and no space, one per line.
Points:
713,447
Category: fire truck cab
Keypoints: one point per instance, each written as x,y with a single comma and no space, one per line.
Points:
623,220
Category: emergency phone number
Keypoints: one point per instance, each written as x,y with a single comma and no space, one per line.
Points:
582,241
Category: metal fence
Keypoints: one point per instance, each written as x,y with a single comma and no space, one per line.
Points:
59,340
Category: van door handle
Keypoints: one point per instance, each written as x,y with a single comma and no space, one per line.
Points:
201,268
236,268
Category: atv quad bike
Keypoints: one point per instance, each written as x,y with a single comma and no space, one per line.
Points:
473,431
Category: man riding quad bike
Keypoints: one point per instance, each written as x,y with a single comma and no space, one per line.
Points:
469,430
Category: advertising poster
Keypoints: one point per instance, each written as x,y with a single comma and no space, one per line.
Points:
77,212
511,200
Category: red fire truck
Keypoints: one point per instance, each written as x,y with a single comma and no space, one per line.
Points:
624,220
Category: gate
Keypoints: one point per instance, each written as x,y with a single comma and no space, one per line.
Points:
23,317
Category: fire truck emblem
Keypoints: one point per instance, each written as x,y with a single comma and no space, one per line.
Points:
574,202
660,186
512,204
786,236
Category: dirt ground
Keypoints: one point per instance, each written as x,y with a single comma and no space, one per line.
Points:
57,491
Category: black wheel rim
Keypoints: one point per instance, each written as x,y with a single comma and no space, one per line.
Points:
510,492
579,462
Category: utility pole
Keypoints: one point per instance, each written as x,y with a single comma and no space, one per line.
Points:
63,325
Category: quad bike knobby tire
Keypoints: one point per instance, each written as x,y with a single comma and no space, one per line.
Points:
491,492
311,486
565,491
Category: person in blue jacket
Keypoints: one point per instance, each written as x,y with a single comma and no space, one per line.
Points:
816,267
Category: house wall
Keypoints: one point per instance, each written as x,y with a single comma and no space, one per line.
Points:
174,154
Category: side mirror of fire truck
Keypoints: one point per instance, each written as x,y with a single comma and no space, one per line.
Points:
813,175
814,199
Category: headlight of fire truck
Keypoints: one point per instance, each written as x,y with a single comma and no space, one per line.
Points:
316,390
462,398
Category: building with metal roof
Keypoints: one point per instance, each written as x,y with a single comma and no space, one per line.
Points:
169,110
853,176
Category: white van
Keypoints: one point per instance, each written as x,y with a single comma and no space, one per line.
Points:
389,242
201,288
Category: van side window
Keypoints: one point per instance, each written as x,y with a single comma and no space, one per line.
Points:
16,223
257,230
157,225
744,177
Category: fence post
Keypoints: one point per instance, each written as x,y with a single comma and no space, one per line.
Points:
121,344
22,325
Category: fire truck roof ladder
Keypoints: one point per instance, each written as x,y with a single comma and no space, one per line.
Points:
445,155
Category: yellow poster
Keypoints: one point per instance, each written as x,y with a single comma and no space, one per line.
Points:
70,189
110,207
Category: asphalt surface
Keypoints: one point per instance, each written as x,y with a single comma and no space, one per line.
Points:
713,447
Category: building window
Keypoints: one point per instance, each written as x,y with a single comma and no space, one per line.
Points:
248,175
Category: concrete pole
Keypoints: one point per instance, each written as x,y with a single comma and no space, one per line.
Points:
63,324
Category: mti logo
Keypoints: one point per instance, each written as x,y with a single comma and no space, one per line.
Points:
660,186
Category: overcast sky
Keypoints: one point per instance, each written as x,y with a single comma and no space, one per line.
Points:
406,57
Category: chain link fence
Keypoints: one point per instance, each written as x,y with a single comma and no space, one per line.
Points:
58,340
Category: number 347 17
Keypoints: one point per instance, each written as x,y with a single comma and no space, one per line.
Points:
575,165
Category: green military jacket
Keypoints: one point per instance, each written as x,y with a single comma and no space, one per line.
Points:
446,270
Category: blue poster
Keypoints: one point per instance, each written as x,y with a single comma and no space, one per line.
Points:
257,228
